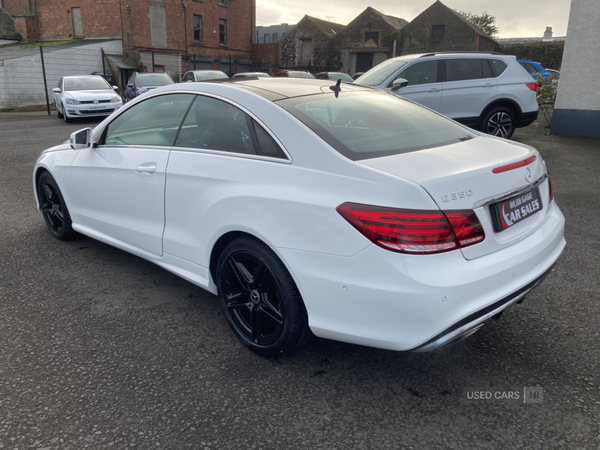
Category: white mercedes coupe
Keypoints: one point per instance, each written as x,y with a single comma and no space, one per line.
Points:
312,208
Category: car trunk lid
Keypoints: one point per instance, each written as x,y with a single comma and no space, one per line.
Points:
460,176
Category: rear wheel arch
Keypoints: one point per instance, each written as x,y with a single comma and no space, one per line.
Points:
220,245
506,103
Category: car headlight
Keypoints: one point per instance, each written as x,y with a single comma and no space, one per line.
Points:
115,99
72,101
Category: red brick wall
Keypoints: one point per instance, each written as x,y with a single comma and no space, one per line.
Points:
99,18
25,26
15,7
265,52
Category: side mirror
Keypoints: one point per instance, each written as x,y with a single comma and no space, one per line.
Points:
116,88
399,83
81,139
57,90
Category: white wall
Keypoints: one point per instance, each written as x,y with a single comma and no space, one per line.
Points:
22,81
577,88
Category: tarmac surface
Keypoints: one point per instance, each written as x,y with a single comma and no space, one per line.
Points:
100,349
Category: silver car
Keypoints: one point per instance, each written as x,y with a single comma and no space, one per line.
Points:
85,96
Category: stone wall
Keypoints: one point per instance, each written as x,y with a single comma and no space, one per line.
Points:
549,54
7,24
291,46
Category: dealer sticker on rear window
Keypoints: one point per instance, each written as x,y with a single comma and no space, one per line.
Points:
512,211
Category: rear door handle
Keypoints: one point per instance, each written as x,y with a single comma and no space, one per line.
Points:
146,168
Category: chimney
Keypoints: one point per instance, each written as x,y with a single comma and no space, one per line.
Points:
548,32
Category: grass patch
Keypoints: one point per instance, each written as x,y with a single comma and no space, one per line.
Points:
49,44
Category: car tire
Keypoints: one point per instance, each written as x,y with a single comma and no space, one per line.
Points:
65,116
54,208
259,298
499,121
58,113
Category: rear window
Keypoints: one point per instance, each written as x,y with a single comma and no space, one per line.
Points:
153,79
497,67
364,125
463,69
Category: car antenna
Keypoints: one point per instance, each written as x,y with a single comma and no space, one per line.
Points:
336,88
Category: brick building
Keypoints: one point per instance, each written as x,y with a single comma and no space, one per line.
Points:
208,32
439,29
367,40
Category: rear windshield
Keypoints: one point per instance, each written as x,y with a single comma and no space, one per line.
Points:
300,75
153,79
371,124
210,75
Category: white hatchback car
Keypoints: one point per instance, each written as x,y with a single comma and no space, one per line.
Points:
85,96
490,92
341,210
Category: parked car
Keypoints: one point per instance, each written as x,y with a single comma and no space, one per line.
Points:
109,77
535,69
555,74
140,83
357,75
360,217
334,76
85,96
251,74
203,75
487,91
294,74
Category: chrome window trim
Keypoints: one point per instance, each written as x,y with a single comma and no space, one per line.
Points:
128,105
232,154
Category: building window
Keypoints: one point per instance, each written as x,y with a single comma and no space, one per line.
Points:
275,37
437,32
197,28
223,31
371,36
266,38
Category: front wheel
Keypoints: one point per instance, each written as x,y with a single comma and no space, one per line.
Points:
58,113
54,209
499,122
259,298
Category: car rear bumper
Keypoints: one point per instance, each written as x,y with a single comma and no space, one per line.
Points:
403,302
527,119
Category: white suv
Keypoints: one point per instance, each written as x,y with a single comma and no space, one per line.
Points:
487,91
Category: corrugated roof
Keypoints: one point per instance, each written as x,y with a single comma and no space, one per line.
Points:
121,62
32,48
331,28
395,22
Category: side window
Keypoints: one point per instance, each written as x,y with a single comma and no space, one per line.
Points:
152,122
421,73
216,125
187,77
497,67
268,146
463,69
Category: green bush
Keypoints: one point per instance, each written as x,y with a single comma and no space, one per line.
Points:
546,97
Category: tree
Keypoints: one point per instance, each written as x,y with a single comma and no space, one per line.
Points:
485,21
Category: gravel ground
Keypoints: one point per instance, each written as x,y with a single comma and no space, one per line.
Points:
100,349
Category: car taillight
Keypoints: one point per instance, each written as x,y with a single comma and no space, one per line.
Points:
532,86
414,231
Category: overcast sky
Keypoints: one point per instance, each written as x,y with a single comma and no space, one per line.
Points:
515,18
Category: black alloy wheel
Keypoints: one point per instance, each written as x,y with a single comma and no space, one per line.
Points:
66,118
260,299
58,113
499,122
54,208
